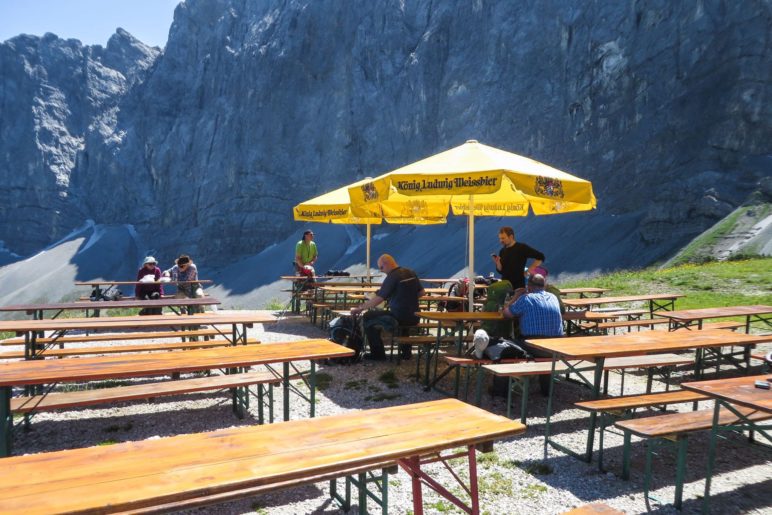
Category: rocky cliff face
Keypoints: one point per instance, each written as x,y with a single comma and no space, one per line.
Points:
54,94
255,106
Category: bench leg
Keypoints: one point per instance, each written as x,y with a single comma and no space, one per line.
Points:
6,421
312,386
524,386
680,472
260,396
285,387
479,386
510,384
626,455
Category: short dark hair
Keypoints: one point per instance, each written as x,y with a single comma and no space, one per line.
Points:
183,260
307,232
507,230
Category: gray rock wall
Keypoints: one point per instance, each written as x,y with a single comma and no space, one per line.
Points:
255,106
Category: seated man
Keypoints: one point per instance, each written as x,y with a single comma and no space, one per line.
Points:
539,314
402,289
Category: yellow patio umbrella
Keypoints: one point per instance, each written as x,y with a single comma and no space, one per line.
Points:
335,207
474,180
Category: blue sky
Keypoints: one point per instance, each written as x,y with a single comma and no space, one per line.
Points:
90,21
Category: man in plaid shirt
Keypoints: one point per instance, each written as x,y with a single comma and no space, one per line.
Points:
539,314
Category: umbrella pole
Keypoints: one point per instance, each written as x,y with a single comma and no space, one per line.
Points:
368,252
471,253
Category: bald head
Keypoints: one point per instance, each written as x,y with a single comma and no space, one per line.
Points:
387,263
536,282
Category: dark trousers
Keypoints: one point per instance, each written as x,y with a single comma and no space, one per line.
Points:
373,321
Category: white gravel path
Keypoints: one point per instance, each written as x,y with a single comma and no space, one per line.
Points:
513,479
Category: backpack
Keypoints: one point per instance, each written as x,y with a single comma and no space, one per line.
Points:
345,330
112,293
460,288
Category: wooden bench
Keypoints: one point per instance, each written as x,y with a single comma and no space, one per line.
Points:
715,325
81,398
676,427
160,472
520,373
614,408
116,349
103,337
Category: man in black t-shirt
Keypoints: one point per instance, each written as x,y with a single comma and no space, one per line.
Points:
402,289
512,258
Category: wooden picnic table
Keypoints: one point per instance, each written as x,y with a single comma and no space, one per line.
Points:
598,348
163,473
657,301
456,321
583,292
301,283
688,317
39,372
37,310
728,394
32,328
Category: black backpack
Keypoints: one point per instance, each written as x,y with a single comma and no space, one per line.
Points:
346,331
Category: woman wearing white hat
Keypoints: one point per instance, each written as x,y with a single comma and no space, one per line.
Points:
148,287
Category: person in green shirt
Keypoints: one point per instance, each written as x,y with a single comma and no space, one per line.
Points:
305,251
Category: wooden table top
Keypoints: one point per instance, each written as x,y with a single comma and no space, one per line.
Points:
113,304
132,475
595,301
566,291
135,322
123,283
20,373
718,312
301,277
461,316
331,288
737,390
643,342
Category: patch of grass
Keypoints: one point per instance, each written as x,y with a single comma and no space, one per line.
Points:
383,397
725,283
275,305
118,427
536,468
323,381
390,379
488,458
442,506
109,441
259,509
533,491
495,483
358,384
5,334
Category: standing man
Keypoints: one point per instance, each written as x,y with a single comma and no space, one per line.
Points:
305,251
402,289
539,314
512,258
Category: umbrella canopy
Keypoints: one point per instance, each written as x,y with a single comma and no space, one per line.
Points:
474,180
502,183
335,207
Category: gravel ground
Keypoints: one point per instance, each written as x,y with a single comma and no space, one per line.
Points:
513,479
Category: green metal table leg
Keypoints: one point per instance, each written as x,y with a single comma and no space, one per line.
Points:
479,386
509,396
711,457
285,386
312,385
362,491
680,472
549,405
599,362
260,394
524,386
6,421
626,455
